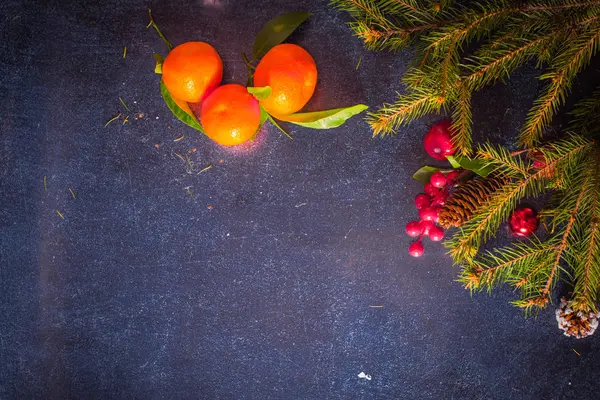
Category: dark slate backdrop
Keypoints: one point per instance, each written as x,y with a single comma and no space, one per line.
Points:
258,286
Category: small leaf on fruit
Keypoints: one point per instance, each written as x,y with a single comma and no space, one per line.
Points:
480,167
159,62
276,31
424,173
324,119
264,116
270,117
260,93
180,109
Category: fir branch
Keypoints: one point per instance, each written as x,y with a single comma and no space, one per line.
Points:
408,107
586,265
377,39
484,224
504,161
462,120
506,264
565,68
559,5
586,115
562,247
500,60
475,23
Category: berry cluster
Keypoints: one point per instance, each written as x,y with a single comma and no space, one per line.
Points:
438,144
429,205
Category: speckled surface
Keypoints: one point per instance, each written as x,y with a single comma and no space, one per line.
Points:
260,285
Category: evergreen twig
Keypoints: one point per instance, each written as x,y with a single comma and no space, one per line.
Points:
560,34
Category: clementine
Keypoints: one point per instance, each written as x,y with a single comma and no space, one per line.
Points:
230,115
191,71
292,75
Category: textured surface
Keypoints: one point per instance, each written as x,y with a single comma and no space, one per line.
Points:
258,286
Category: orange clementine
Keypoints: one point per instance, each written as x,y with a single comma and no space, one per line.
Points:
230,115
292,75
191,71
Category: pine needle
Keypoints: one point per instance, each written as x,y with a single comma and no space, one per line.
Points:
124,105
124,51
358,63
116,117
45,186
189,162
205,169
60,214
179,138
180,156
72,193
125,120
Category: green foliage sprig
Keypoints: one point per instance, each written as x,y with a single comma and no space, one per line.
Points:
571,167
560,35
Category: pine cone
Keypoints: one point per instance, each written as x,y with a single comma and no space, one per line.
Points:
578,324
466,198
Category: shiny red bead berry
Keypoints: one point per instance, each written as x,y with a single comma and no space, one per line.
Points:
428,214
438,180
422,200
416,249
414,228
440,199
438,142
452,175
436,233
431,190
523,221
426,227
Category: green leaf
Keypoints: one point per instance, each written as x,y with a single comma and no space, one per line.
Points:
260,93
264,116
183,116
453,162
276,31
278,126
324,119
424,173
159,62
480,167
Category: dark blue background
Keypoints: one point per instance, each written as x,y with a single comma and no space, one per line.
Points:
258,286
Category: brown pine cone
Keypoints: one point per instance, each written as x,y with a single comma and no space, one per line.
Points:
578,324
466,198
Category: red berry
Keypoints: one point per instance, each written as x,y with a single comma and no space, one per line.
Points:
414,228
416,249
431,190
453,175
438,180
438,142
426,227
523,221
422,200
428,214
436,209
440,199
436,233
